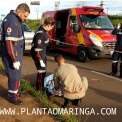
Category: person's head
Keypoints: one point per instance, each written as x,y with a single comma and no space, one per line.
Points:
59,59
23,11
48,23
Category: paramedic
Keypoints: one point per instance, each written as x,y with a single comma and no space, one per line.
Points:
38,50
12,39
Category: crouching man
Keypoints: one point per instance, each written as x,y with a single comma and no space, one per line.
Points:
66,76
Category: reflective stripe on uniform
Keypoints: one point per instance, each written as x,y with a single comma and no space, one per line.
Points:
46,41
14,38
11,91
39,32
41,71
119,32
38,49
118,51
114,61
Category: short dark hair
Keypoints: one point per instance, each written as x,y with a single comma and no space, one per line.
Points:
24,7
58,57
48,21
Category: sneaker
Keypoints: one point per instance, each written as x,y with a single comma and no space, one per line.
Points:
15,102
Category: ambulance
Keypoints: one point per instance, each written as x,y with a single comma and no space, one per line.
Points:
82,31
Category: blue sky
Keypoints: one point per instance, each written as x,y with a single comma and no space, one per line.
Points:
111,6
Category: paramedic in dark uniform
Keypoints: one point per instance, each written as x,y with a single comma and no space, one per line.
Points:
12,49
117,55
38,50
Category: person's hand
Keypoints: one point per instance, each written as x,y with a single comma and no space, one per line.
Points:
42,63
16,65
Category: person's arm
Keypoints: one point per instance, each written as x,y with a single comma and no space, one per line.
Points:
39,43
10,50
11,37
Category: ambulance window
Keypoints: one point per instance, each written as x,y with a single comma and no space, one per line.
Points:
58,24
73,20
96,22
74,24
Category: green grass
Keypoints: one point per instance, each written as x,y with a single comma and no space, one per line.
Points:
1,66
44,101
33,24
115,19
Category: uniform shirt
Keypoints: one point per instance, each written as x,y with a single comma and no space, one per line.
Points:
40,42
118,33
12,31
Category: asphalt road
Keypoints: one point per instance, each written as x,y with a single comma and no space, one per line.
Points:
103,101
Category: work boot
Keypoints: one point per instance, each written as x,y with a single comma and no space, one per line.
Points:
14,99
66,103
15,102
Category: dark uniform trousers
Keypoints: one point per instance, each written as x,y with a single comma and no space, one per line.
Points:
116,57
41,71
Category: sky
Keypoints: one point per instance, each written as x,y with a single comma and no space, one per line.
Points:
111,6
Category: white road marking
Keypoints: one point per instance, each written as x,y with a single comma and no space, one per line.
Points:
107,76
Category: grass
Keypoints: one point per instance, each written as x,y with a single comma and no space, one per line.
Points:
115,19
26,86
33,24
1,66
